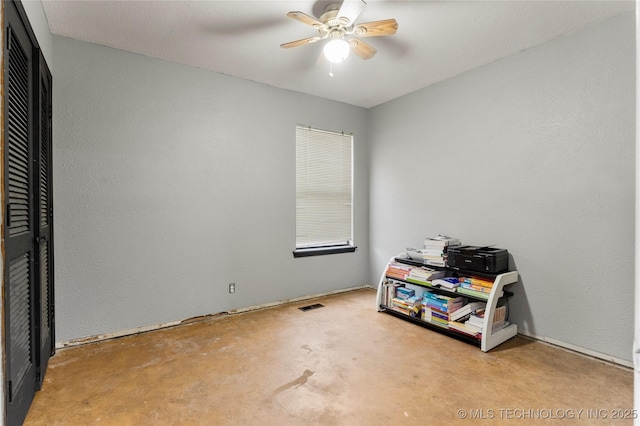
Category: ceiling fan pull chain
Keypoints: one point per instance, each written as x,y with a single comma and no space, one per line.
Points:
331,69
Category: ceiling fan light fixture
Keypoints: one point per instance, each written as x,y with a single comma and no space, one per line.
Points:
336,50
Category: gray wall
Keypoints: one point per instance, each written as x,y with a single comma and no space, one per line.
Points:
533,153
171,182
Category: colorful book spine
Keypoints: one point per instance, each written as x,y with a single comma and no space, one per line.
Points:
405,293
443,303
476,287
477,282
417,281
471,292
398,270
390,292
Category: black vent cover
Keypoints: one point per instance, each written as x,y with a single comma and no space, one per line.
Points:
310,307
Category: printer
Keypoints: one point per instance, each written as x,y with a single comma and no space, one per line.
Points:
478,259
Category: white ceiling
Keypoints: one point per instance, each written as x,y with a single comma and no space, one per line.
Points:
435,40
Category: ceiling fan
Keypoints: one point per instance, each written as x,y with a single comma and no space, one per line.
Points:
338,22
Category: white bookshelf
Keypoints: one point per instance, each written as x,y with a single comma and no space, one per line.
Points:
490,339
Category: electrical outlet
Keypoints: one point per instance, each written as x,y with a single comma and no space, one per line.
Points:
232,287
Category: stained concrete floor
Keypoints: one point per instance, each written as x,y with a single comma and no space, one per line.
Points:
342,364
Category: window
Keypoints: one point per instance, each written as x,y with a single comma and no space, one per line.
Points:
324,192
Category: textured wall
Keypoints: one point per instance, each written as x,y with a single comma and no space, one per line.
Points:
533,153
171,182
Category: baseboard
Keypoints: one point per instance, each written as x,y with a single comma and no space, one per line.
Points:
122,333
113,335
578,349
297,299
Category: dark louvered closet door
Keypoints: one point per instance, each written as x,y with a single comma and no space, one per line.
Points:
44,216
20,284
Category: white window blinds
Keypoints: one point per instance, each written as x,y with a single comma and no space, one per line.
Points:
323,188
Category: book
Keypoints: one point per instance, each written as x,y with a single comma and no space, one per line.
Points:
433,256
402,310
467,310
404,293
474,293
398,270
477,282
390,292
472,326
475,287
396,275
446,304
447,282
406,306
441,241
499,314
441,262
432,252
440,322
424,274
499,318
417,281
406,303
475,320
464,328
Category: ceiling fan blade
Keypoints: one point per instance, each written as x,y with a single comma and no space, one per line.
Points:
349,11
306,19
302,42
376,28
362,49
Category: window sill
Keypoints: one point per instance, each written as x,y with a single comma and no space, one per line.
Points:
320,251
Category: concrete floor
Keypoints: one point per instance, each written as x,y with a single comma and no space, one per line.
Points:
343,364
